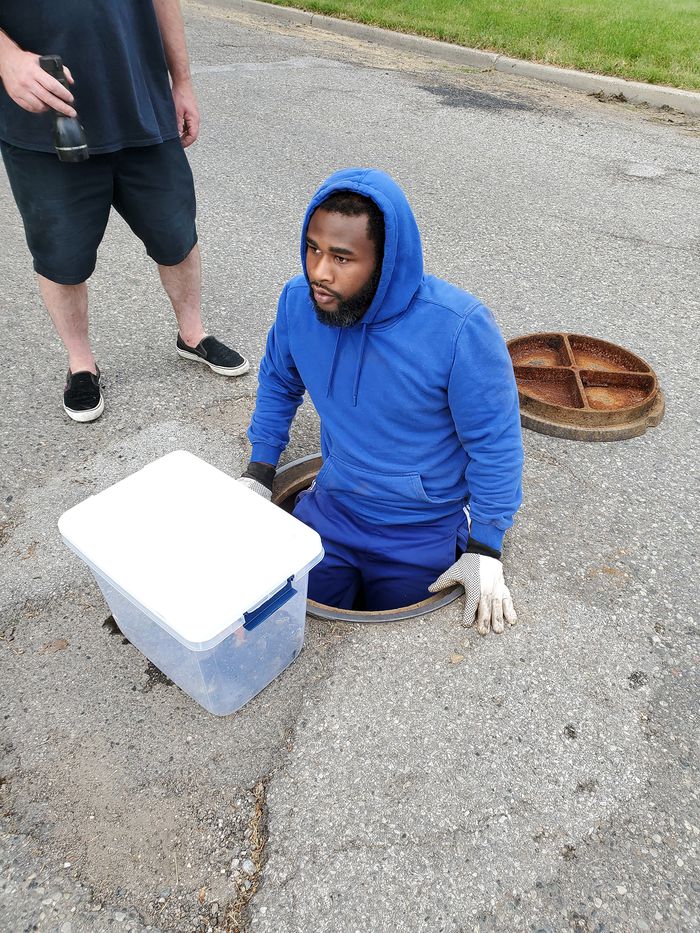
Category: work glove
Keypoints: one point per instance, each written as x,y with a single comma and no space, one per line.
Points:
259,477
487,598
255,486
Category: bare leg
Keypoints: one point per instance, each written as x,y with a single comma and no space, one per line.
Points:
183,284
68,307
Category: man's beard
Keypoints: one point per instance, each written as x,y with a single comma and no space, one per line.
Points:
349,310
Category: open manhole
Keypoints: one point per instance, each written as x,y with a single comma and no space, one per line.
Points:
584,388
298,475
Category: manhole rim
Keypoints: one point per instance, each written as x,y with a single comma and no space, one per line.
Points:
623,432
297,475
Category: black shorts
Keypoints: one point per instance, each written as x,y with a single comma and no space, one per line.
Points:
65,205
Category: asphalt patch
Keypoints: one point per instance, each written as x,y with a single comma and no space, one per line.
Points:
468,99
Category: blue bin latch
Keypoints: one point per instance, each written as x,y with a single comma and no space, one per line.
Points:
265,610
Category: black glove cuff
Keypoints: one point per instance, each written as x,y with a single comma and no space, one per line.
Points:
263,473
476,547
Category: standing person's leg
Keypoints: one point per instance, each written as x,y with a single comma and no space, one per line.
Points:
65,208
183,285
68,308
154,193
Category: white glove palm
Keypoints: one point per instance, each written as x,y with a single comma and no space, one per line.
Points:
255,486
487,598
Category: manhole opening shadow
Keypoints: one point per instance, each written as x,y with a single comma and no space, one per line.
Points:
292,479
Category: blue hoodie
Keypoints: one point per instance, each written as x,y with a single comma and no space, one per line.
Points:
417,401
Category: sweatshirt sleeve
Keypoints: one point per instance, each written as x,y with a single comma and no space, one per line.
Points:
280,392
483,399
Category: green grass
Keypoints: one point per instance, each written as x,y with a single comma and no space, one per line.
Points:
644,40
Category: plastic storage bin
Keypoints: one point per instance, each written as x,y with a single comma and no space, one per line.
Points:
202,575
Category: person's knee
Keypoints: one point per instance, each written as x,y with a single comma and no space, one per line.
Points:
170,254
63,245
154,193
64,273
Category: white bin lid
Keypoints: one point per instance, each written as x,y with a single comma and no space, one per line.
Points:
190,545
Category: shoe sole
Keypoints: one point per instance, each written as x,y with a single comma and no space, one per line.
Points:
221,370
92,414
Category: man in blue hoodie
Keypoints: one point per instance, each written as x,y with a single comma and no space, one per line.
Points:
420,428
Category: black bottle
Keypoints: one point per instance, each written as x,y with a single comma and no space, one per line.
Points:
68,134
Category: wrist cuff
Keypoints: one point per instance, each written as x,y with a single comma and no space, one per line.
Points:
486,533
264,453
263,473
476,547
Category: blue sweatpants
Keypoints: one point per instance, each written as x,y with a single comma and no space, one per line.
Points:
376,567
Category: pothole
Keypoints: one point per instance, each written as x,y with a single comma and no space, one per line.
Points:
292,479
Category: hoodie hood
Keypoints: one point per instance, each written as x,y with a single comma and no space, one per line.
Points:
402,265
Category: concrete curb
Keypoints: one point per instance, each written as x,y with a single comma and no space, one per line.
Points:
633,91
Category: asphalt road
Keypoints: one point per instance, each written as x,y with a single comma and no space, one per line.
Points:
405,777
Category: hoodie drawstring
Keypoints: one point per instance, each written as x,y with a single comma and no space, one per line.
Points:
358,370
333,361
360,357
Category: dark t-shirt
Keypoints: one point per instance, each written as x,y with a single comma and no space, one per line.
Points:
115,53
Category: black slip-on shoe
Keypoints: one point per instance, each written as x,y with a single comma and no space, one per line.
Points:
82,396
216,355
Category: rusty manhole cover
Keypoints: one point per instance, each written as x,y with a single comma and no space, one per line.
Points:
584,388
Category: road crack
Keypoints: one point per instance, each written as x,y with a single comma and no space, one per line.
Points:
237,914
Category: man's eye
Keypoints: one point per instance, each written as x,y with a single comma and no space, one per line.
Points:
341,259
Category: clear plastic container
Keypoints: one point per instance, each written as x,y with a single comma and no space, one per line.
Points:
214,594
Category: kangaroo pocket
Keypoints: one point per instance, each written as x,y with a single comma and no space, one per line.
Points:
400,490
